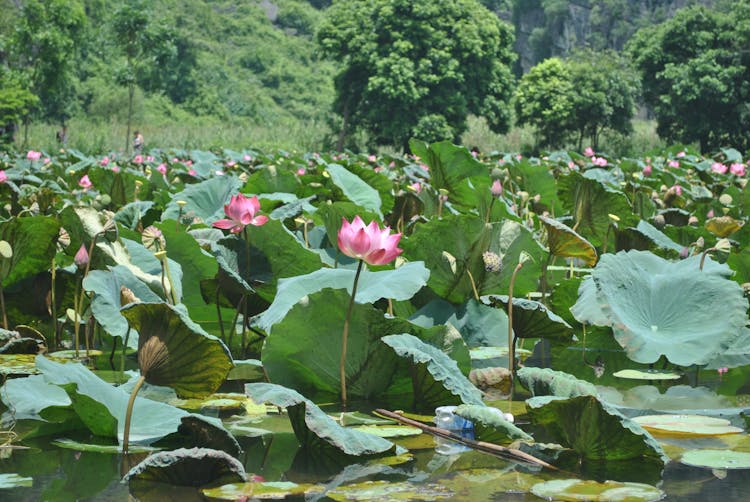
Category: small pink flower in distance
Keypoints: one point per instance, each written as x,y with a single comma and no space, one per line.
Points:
192,172
301,171
737,169
175,159
710,214
647,170
33,155
162,169
571,165
240,213
677,189
599,161
368,243
115,169
371,158
104,162
474,154
3,176
138,159
231,163
497,188
519,157
718,167
247,158
416,186
316,155
425,167
189,163
680,155
47,160
392,165
588,152
149,158
81,259
721,371
673,163
310,163
219,173
85,182
378,169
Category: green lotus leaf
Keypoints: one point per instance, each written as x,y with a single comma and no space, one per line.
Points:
389,490
188,467
190,361
262,490
594,491
564,241
314,429
593,429
398,284
130,215
591,203
656,307
490,425
33,240
466,238
204,200
686,425
436,379
355,189
10,480
537,179
107,300
646,236
717,459
143,259
478,324
547,382
736,355
647,375
110,449
448,163
531,319
303,351
271,180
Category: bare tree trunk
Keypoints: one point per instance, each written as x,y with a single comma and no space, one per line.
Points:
131,93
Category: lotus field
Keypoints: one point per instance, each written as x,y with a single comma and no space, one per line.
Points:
243,325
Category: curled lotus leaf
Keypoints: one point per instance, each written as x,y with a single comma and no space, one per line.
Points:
564,241
723,226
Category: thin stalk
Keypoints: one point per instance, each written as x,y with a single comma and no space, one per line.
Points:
172,293
345,334
544,277
2,306
112,354
129,413
124,348
234,321
511,340
700,267
246,235
53,305
218,315
473,284
76,291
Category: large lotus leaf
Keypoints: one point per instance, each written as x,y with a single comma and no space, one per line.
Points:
736,355
143,259
204,200
548,382
448,163
291,205
532,319
304,350
314,429
479,325
378,181
188,467
271,180
34,243
657,307
130,215
196,363
657,237
235,262
490,425
436,379
399,284
536,179
107,300
355,189
595,430
100,405
564,241
452,248
591,203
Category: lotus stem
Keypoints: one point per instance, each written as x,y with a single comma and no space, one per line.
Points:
511,341
124,348
76,291
171,282
345,334
53,303
234,321
544,277
473,284
2,306
218,315
703,258
78,306
129,413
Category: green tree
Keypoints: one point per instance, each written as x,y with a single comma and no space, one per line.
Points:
417,66
45,44
695,68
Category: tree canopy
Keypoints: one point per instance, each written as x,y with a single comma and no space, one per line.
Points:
418,67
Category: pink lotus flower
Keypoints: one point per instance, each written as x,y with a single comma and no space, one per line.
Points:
737,169
149,158
138,159
673,163
301,171
588,152
647,170
571,165
718,167
33,155
677,189
192,172
371,158
3,176
710,214
240,213
85,182
722,370
247,158
416,186
497,188
81,259
368,243
599,161
680,155
189,163
115,169
231,163
162,169
378,169
47,160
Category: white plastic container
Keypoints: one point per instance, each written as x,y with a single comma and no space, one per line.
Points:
445,418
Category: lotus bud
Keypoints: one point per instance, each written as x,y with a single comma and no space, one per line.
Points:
693,221
497,188
451,260
6,253
659,221
700,242
81,259
725,199
243,177
723,245
127,296
492,261
684,252
524,196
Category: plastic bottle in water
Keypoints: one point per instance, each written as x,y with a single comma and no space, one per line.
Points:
445,418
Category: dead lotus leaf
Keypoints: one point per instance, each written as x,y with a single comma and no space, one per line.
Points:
723,226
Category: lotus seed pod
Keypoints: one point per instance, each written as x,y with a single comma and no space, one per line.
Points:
106,200
181,203
700,242
614,217
693,221
6,251
492,261
63,238
153,239
496,172
659,221
723,245
684,252
725,199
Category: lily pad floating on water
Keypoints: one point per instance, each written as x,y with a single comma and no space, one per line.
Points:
389,431
593,491
717,459
276,490
13,480
647,375
687,425
114,449
386,490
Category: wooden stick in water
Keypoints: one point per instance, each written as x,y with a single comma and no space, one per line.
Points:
490,448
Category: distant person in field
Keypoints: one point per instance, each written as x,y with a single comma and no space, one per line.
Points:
62,135
137,142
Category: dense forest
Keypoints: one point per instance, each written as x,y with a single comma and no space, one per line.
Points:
242,65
